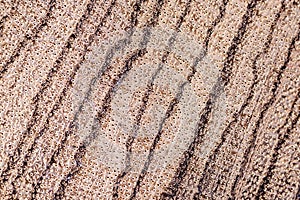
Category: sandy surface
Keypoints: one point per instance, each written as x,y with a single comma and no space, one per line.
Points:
150,99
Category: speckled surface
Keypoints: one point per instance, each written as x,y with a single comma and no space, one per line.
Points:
142,99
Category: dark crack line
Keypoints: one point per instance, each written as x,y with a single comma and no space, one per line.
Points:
281,140
28,37
6,17
207,111
168,113
101,114
64,92
226,71
106,66
14,156
263,112
70,80
171,106
47,83
250,96
106,106
131,139
36,113
219,18
266,48
181,170
2,21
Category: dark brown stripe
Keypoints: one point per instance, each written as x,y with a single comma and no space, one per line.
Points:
168,113
170,108
2,21
226,71
183,165
106,105
281,140
141,111
36,100
209,32
47,83
262,114
211,29
67,87
5,17
100,116
207,111
255,81
14,158
106,67
131,139
28,37
63,94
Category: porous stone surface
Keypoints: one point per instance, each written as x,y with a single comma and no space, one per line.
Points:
166,99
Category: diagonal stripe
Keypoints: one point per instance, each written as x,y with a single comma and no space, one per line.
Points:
213,156
281,140
263,112
28,37
207,111
170,109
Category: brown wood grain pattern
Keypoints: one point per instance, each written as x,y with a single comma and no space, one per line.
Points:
139,99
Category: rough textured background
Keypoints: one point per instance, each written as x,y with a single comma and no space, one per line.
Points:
142,99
